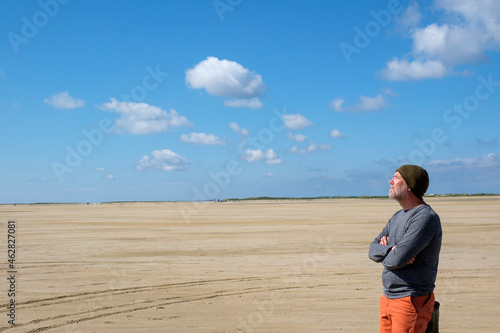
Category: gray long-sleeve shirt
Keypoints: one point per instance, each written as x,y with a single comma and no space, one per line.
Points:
417,234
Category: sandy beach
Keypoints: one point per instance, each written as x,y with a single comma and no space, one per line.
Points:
243,266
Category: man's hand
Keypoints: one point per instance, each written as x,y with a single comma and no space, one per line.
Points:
385,241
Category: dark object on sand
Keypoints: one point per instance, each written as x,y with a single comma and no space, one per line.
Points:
433,326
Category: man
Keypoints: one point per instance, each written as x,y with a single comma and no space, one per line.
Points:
408,248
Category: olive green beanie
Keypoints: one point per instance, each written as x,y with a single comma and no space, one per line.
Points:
416,178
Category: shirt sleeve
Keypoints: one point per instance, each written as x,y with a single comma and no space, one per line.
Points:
378,252
421,231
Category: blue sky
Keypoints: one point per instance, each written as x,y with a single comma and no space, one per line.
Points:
190,100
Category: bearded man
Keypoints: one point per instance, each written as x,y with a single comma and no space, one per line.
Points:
408,247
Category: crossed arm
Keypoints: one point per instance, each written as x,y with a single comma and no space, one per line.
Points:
385,241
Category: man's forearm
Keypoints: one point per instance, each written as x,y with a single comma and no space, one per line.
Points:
378,252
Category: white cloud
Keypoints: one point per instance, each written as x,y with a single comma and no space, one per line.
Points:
274,161
410,18
388,91
337,103
252,103
481,17
486,161
270,157
476,174
235,127
296,121
467,30
492,142
309,149
372,103
402,70
227,78
201,139
142,118
271,175
334,133
164,159
63,100
110,177
297,137
366,104
99,169
446,43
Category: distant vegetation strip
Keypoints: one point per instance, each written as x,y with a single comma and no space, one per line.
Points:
363,197
264,198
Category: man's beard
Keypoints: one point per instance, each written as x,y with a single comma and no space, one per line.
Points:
399,193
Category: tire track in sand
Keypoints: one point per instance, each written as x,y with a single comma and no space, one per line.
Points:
126,306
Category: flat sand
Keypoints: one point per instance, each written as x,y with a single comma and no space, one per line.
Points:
248,266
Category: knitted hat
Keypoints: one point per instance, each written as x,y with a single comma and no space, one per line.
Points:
416,178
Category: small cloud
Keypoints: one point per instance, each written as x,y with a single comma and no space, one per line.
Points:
227,78
99,169
63,100
337,103
296,121
492,142
164,159
476,174
485,161
366,104
410,18
270,175
110,177
309,149
297,137
312,168
383,162
270,157
235,127
142,118
337,134
201,139
403,70
389,92
252,103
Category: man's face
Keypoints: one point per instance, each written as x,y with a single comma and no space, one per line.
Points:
399,189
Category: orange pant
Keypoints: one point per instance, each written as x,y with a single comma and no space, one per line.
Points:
406,315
